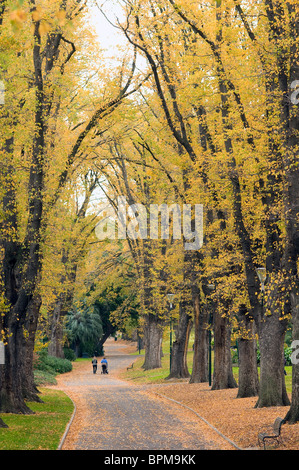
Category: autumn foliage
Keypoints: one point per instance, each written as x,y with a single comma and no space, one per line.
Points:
201,108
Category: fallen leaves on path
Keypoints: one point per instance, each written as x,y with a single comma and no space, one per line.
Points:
235,417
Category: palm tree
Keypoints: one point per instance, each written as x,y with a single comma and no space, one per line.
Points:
84,325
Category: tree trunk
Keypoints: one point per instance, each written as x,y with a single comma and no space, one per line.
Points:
272,390
30,390
11,385
293,414
200,370
292,203
248,372
271,329
2,424
56,339
179,367
12,321
109,330
22,265
223,374
153,333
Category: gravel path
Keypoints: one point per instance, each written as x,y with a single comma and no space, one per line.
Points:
115,415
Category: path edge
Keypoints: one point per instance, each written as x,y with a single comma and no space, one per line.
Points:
62,440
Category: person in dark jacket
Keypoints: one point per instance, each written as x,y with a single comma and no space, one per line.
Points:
94,365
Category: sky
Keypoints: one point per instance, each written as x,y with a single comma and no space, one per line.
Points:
109,37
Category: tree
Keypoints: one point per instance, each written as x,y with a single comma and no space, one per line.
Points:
215,122
22,260
72,250
283,249
248,385
84,328
48,34
252,143
228,90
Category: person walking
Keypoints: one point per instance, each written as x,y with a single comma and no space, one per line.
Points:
94,365
104,366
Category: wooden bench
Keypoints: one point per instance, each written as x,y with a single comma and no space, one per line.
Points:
130,367
273,434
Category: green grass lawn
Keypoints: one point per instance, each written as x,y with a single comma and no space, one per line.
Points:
140,375
41,431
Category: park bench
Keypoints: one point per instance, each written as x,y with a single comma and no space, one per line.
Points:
273,434
130,367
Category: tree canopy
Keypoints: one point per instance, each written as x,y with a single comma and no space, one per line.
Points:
198,108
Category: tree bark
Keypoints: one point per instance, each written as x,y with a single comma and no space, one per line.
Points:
153,324
30,391
272,380
292,415
200,370
248,371
153,334
292,201
223,374
11,385
179,367
55,347
271,332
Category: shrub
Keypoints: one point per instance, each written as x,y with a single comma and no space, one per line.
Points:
235,355
52,365
287,355
69,354
60,366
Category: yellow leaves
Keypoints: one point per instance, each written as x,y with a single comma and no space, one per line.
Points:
44,28
40,14
4,306
5,335
61,16
46,18
37,14
18,18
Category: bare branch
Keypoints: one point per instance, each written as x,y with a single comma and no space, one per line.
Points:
70,54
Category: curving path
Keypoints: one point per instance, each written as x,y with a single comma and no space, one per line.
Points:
115,415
